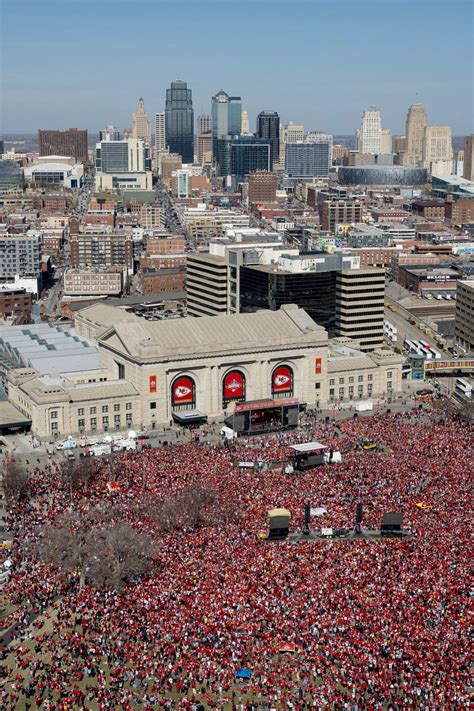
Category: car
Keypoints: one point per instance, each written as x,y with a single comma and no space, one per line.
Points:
68,443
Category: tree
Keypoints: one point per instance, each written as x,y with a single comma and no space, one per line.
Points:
16,482
97,546
188,509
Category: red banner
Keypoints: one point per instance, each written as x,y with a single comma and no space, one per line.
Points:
152,384
183,390
234,386
282,381
318,366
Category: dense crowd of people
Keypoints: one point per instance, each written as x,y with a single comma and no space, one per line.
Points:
366,624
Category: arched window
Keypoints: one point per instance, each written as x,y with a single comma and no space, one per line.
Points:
233,386
183,393
282,382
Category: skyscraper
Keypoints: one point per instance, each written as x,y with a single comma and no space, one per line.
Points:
468,168
309,159
204,124
72,142
226,121
414,134
141,122
371,131
160,132
268,126
248,154
179,120
245,128
386,141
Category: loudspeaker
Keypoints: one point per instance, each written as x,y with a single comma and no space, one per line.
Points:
327,418
355,415
391,522
359,512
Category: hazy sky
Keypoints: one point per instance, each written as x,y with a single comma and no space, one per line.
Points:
85,63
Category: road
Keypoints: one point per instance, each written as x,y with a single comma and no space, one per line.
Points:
407,331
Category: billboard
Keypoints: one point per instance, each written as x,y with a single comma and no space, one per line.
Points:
234,386
152,384
282,379
183,391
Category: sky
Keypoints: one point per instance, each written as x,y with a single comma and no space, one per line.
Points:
85,63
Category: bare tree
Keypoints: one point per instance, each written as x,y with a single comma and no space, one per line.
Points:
15,483
101,550
188,509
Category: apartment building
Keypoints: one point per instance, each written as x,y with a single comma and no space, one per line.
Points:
360,306
101,250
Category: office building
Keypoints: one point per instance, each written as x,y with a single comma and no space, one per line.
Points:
268,128
308,160
262,187
123,165
102,250
2,147
359,306
11,178
179,121
226,124
206,285
293,133
414,134
334,210
245,125
205,147
109,133
392,175
468,168
72,142
370,137
204,124
438,150
248,154
398,145
160,132
169,164
141,123
464,318
93,282
20,254
386,141
339,152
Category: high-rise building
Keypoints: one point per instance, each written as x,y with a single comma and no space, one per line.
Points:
268,127
293,133
262,187
360,306
308,160
179,120
205,147
123,164
160,131
20,255
386,141
248,154
109,133
72,143
371,132
102,250
245,125
414,134
468,168
438,150
398,144
464,319
204,124
141,123
226,122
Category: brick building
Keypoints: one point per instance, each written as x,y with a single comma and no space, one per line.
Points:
102,250
15,306
93,282
429,209
165,245
163,280
460,212
262,186
72,142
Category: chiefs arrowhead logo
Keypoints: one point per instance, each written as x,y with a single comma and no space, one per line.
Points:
281,380
181,391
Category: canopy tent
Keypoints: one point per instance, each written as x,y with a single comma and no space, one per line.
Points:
243,674
308,447
188,417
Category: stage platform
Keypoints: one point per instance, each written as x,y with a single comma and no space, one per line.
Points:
367,534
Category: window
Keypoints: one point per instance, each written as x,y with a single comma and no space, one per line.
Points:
351,378
389,375
331,393
121,371
80,411
105,420
128,418
360,379
105,408
117,419
116,408
360,390
318,386
54,414
370,377
81,424
351,391
332,381
93,421
341,393
128,405
369,389
341,381
93,410
152,405
54,426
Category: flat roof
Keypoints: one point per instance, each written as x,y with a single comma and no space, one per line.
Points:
308,446
9,415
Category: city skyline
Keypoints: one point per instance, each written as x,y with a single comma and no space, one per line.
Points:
325,90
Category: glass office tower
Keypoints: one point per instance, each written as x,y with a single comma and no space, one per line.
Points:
179,121
248,154
226,121
268,127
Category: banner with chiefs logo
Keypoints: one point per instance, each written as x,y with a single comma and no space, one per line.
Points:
318,366
234,386
152,384
282,379
183,391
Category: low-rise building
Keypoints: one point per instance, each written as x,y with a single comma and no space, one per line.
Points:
93,282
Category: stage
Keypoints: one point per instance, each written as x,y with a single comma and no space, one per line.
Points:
261,416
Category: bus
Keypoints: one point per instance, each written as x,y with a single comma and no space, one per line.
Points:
463,387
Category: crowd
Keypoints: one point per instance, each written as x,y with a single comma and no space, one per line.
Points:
373,625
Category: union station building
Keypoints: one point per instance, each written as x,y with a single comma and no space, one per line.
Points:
191,370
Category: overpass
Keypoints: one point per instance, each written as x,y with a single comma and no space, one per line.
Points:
458,366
